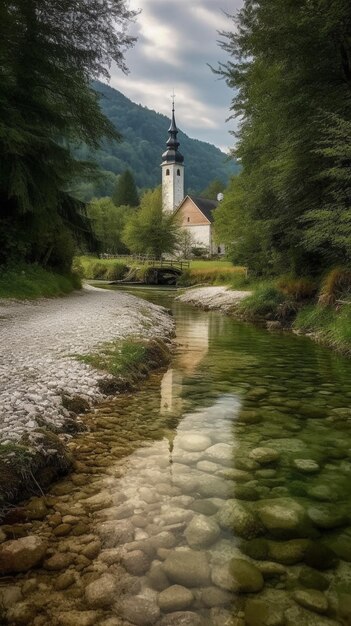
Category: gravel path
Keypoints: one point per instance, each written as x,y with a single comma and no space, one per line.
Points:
215,298
38,341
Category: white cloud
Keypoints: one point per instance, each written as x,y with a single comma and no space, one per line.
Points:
175,43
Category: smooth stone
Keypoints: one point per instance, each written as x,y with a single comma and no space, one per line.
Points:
327,516
320,556
306,466
281,515
136,562
249,417
298,616
113,534
188,568
206,507
139,611
207,466
36,509
20,555
101,500
9,596
192,442
77,618
246,492
213,596
311,599
246,576
261,613
222,617
92,550
288,552
201,532
237,475
340,544
58,561
236,517
286,445
182,618
312,579
323,493
220,453
62,530
211,486
157,578
266,473
270,569
102,592
264,456
175,598
21,614
64,581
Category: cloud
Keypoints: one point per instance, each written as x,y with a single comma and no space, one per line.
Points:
176,43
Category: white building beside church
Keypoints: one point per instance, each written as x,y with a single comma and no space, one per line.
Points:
196,214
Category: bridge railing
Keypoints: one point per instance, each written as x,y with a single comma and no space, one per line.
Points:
145,260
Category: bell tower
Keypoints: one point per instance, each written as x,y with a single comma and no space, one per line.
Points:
172,170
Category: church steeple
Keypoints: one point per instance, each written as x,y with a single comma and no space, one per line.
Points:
172,155
172,170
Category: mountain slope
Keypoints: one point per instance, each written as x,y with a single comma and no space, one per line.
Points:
144,137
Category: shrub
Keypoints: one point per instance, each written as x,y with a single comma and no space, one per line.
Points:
336,285
265,302
32,281
298,288
116,271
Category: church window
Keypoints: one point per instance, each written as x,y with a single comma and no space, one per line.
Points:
188,219
167,172
178,172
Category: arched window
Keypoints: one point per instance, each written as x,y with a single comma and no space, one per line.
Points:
167,172
188,219
178,172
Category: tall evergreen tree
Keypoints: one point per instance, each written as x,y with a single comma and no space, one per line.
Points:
50,51
290,64
125,192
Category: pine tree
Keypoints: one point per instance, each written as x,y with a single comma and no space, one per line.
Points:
50,51
125,192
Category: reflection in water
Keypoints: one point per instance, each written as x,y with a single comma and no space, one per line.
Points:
233,507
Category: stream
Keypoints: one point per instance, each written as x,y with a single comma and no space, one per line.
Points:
219,494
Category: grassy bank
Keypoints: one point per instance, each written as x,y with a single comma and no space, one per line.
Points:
320,308
127,361
31,281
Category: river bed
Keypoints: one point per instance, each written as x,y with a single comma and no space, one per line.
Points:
219,494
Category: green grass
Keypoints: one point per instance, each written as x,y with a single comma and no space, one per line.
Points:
330,326
265,301
128,360
32,281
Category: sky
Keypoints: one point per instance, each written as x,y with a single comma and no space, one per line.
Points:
177,39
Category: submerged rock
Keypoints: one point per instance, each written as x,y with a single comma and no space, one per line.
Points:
193,442
20,555
281,516
188,568
77,618
175,598
262,613
263,456
139,611
238,575
306,466
181,618
311,599
101,592
202,532
236,517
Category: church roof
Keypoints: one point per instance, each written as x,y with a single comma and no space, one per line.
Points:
205,205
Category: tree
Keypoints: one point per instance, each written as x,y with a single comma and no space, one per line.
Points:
125,192
108,222
151,231
213,189
49,53
290,65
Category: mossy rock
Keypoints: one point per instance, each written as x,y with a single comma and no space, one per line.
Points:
320,556
313,579
75,404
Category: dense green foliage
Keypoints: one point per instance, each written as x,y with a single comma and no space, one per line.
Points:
144,138
108,222
49,53
290,208
213,189
150,230
94,268
125,192
33,281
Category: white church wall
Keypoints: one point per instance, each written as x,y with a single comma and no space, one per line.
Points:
172,186
201,235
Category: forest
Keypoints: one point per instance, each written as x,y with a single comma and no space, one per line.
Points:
289,65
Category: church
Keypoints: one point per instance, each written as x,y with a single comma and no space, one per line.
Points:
196,215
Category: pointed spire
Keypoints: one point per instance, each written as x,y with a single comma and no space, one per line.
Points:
172,155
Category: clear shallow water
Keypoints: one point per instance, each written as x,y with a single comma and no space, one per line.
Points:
233,505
